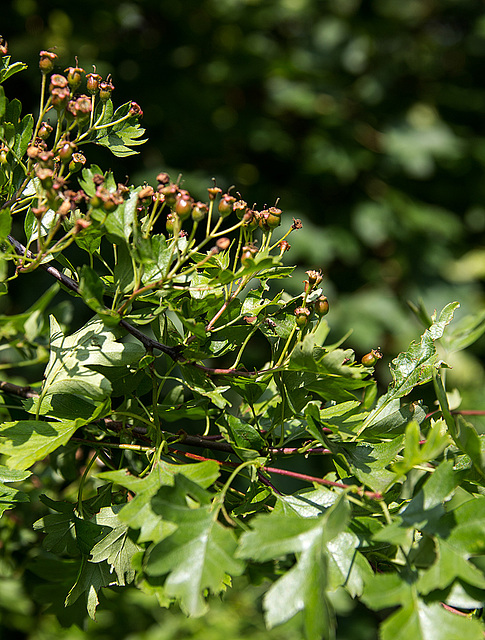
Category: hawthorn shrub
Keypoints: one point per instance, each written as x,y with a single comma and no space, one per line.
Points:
198,427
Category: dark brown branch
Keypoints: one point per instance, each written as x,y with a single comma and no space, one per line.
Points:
16,390
148,343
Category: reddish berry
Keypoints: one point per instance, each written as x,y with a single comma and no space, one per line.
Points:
183,205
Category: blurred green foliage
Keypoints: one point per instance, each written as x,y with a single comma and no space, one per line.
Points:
365,118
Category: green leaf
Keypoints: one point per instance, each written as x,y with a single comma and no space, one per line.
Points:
421,621
198,555
116,547
245,438
138,513
450,565
427,505
68,371
384,590
27,441
277,535
91,289
24,134
7,70
121,221
369,462
92,577
414,366
9,496
121,136
436,441
302,590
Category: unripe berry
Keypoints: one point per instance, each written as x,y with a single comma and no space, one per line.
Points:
170,223
250,219
223,243
247,254
321,306
273,217
302,314
371,358
77,162
163,178
46,62
74,76
145,195
66,152
199,211
183,205
226,205
240,207
169,192
106,88
44,131
92,82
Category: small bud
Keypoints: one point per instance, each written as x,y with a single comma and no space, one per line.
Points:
145,195
169,192
98,179
314,277
33,151
46,62
45,176
273,219
80,108
247,254
64,209
250,219
170,223
81,224
240,207
39,212
60,97
297,224
59,81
